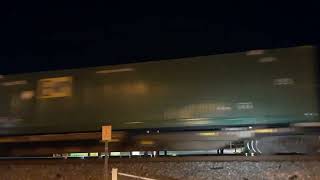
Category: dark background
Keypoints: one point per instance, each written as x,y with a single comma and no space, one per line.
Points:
49,35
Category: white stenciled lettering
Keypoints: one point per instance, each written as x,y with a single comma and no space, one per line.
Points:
244,105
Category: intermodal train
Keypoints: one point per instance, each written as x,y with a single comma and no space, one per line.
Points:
253,88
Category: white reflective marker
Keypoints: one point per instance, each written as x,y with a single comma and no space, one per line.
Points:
115,153
135,153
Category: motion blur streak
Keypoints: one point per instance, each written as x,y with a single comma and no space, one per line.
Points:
13,83
115,70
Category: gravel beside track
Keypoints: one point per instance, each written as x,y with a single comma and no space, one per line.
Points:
198,168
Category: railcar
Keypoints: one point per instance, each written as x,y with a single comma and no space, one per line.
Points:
253,88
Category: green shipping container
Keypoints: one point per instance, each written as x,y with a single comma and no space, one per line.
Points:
262,87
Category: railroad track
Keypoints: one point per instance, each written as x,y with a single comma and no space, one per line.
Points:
161,159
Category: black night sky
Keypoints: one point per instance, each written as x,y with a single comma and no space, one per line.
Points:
49,35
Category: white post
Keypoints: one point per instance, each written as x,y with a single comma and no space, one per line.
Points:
106,158
106,137
114,174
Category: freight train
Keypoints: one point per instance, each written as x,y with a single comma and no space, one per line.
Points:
247,89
